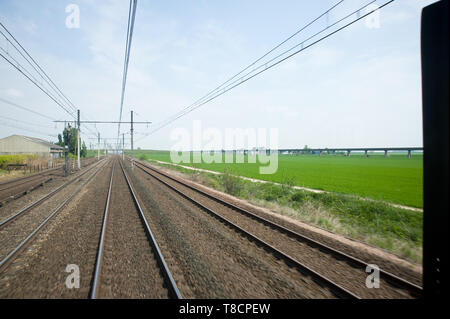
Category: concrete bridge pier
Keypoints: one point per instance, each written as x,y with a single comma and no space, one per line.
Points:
386,153
348,152
409,153
366,153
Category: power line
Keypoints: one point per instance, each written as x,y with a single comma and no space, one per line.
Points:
266,54
36,84
47,78
64,99
299,44
28,74
26,109
267,67
28,130
130,28
23,122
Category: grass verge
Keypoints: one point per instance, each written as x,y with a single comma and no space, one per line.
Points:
373,222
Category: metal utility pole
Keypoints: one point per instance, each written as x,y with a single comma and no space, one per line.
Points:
78,140
98,147
67,137
132,158
123,146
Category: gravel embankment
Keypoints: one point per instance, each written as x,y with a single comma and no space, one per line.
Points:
57,180
129,268
209,259
369,254
353,279
21,188
71,237
19,228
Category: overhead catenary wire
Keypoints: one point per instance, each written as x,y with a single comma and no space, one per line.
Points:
267,67
23,122
29,75
27,129
298,44
130,29
267,53
37,85
62,100
45,77
26,109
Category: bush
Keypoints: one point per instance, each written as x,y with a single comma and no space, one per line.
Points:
299,197
231,184
14,159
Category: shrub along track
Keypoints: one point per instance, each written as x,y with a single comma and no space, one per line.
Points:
209,259
340,268
18,234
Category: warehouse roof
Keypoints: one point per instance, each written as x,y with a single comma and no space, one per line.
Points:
40,141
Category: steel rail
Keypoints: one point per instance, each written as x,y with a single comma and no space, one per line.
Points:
36,183
98,263
43,172
167,274
43,198
15,183
10,257
389,277
337,289
28,177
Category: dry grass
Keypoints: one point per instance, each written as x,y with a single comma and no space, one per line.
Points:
375,223
319,216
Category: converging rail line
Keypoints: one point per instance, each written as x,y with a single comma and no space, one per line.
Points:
34,204
14,253
299,250
17,187
108,219
337,289
20,188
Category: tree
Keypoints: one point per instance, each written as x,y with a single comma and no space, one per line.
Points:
70,139
83,151
60,141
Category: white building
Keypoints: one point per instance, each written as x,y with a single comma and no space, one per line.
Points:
18,144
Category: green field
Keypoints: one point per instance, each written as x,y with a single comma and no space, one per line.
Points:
395,179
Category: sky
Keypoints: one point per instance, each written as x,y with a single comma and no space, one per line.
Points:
361,87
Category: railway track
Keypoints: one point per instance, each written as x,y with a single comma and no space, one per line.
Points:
24,239
34,204
16,188
345,274
128,246
20,188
